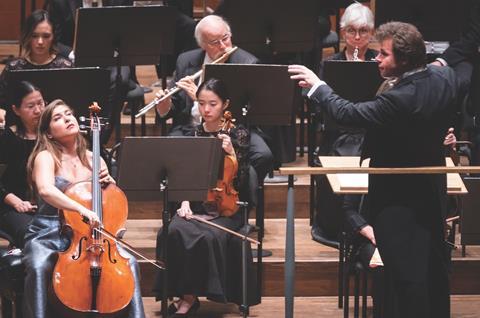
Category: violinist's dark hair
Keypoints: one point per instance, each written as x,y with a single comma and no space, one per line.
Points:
215,85
19,91
37,17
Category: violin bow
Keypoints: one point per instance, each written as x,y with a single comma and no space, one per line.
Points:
127,246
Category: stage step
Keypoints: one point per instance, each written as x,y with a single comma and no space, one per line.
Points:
316,265
465,306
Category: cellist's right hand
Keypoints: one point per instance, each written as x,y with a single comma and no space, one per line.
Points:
164,106
91,217
184,211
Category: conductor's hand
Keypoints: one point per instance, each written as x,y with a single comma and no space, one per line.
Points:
304,75
227,144
105,177
189,86
90,217
367,231
450,139
164,106
184,211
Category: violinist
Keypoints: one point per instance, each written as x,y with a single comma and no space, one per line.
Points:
60,158
198,254
16,144
39,51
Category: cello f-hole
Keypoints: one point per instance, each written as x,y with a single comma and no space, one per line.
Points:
79,251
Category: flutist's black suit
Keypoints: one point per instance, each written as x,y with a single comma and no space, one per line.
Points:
406,126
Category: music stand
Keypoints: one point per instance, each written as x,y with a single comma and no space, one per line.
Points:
149,165
110,36
78,87
355,81
252,99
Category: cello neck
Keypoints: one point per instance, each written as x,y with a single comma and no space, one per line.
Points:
96,164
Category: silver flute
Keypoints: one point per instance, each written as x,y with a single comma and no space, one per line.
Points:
158,99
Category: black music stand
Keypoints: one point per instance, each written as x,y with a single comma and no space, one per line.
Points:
255,100
117,36
78,87
149,165
355,81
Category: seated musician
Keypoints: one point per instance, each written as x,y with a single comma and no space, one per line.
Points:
60,158
213,35
38,45
16,144
357,28
198,254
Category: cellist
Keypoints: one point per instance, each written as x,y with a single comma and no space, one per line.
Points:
60,158
198,259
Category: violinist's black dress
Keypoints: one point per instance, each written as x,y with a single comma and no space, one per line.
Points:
42,242
203,260
14,152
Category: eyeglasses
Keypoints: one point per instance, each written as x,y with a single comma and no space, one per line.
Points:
363,32
224,39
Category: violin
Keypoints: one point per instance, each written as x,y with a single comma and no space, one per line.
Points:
224,194
91,276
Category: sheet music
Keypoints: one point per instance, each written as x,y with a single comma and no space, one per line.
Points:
353,180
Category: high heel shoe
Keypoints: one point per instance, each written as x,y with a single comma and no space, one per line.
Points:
193,309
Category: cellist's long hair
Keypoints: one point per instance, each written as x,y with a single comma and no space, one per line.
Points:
50,144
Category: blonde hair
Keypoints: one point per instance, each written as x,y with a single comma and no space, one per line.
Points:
44,142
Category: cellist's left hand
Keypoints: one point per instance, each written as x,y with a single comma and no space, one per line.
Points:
227,144
105,177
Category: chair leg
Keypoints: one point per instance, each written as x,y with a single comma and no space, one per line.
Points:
365,293
18,306
346,290
244,309
341,274
356,297
7,310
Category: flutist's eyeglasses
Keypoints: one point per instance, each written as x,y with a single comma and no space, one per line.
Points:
363,32
226,37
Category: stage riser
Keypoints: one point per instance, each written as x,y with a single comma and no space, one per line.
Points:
275,204
320,278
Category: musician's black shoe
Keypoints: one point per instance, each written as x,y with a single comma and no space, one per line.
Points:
193,309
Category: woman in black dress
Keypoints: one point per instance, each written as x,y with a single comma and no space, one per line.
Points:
38,45
199,256
16,144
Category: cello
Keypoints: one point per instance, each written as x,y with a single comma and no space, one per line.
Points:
91,276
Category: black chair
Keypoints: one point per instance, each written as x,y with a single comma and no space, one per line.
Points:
327,227
470,218
11,279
